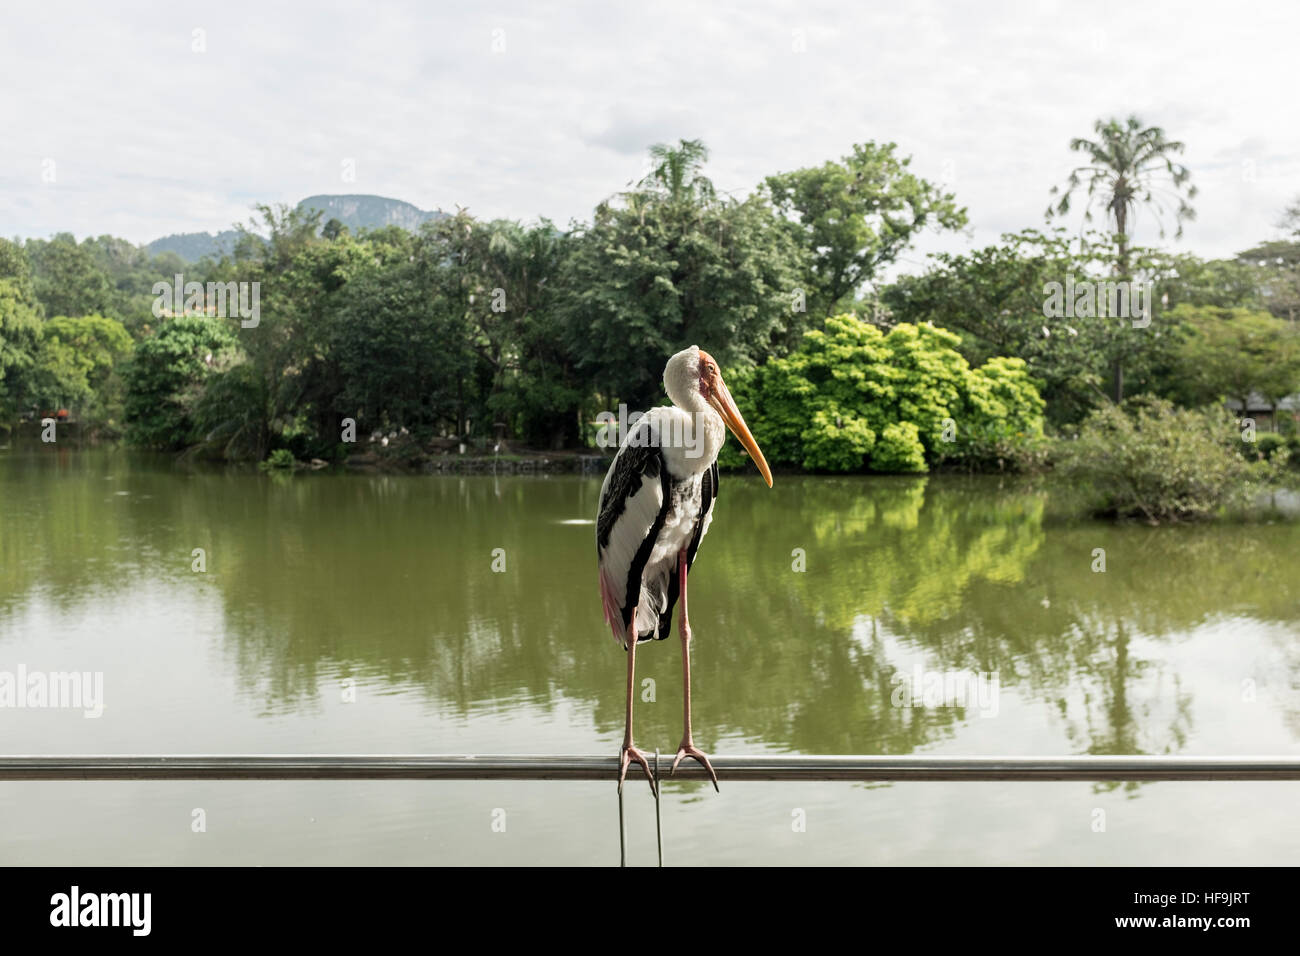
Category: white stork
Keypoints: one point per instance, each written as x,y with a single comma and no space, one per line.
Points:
655,507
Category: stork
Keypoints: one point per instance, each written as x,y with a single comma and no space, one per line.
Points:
655,506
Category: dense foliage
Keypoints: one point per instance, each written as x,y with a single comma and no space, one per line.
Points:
165,381
1235,353
853,396
857,215
647,279
1152,460
995,297
478,333
79,364
464,330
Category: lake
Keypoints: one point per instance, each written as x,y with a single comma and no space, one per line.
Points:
360,613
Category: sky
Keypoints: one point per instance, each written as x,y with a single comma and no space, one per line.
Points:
144,119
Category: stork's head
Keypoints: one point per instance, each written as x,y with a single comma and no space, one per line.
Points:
692,375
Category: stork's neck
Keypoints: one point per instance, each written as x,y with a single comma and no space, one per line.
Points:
703,435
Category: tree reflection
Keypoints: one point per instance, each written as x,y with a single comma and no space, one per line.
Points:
389,579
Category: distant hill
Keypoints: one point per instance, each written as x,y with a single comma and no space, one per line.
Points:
369,212
193,246
355,212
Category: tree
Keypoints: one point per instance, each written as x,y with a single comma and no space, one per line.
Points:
997,297
20,329
1225,283
656,272
78,363
1231,353
496,277
1130,168
297,273
333,229
131,273
14,265
400,351
543,389
675,173
1276,264
854,216
68,281
165,379
1276,267
20,337
104,276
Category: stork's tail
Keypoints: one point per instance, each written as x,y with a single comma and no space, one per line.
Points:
653,610
613,614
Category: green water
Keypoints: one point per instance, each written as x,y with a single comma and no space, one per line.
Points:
323,587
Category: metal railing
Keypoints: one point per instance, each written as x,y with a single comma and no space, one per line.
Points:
767,767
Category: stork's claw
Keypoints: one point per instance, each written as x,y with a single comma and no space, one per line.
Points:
688,749
627,755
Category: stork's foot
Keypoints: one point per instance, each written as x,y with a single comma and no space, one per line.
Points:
627,755
688,749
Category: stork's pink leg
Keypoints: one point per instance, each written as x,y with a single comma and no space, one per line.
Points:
687,747
629,752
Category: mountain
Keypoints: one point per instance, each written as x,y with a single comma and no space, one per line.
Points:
369,212
355,212
192,246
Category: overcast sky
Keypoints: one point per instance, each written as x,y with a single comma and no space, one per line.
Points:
144,136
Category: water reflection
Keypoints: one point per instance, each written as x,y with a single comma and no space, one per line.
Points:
389,580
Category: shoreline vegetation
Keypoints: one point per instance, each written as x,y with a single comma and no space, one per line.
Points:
1146,462
469,346
1265,490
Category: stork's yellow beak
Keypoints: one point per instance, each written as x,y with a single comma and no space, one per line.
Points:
720,398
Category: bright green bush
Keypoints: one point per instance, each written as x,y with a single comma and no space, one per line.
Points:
854,398
899,449
1152,460
833,442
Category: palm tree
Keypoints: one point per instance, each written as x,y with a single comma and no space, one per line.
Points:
1130,169
676,172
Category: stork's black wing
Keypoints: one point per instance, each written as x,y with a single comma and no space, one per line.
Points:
708,494
633,502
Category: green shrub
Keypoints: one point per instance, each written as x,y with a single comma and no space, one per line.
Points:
899,449
1287,451
833,442
1265,445
853,398
1025,454
1151,460
281,458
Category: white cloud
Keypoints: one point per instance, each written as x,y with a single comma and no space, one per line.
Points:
151,138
